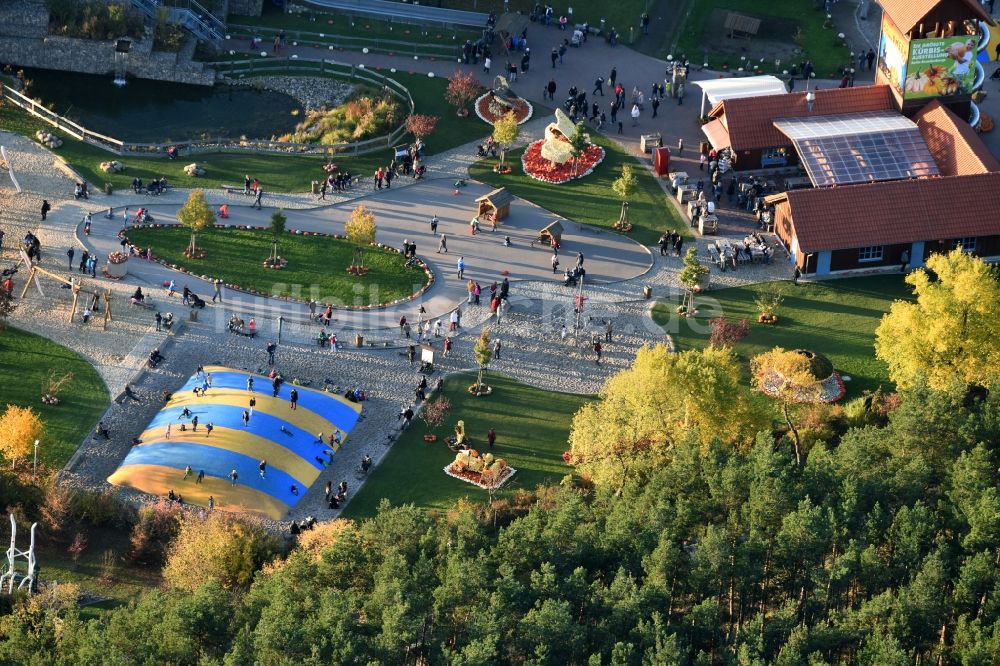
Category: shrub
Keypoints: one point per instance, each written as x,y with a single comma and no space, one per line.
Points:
156,526
361,117
220,547
726,333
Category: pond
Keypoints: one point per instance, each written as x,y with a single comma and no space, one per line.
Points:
146,111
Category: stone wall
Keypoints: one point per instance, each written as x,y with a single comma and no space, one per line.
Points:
246,7
98,57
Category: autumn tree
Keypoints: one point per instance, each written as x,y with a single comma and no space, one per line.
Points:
951,332
420,125
220,547
725,333
624,186
360,229
19,428
642,412
7,306
278,222
789,376
691,276
483,352
462,89
435,411
197,216
505,131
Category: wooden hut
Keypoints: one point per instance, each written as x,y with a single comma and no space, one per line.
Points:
495,205
550,235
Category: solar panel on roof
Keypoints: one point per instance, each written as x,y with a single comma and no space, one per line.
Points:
859,148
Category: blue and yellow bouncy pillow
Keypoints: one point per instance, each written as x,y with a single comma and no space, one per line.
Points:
284,437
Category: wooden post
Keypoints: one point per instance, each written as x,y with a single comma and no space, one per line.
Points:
31,275
107,310
72,310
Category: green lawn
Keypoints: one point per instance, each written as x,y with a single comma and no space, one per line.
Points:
278,173
836,318
620,15
590,199
805,30
25,361
236,256
532,433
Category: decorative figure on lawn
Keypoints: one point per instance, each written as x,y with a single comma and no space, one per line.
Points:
557,147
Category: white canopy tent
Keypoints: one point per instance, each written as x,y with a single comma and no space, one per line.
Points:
716,90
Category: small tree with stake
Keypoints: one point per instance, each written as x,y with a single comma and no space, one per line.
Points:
690,276
435,411
578,142
197,216
624,186
278,221
483,351
360,229
505,131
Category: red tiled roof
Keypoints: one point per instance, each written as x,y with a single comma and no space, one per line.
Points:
749,120
956,147
900,211
716,133
906,14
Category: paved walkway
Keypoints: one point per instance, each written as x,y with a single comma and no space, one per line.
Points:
404,214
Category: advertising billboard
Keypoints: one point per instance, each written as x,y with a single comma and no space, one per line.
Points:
892,53
941,67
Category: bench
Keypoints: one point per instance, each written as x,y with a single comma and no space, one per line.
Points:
405,12
232,189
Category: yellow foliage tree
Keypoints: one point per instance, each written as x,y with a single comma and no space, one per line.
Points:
644,410
505,131
790,377
19,428
197,216
951,332
223,547
360,229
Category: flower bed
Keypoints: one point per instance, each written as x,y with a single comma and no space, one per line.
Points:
539,168
491,112
831,389
476,478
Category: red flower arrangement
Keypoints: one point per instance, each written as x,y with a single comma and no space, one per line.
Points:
542,169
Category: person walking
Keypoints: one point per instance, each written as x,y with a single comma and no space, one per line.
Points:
487,61
904,261
46,207
159,321
655,103
555,263
635,115
597,350
200,477
208,429
256,200
262,468
443,244
608,328
461,268
497,346
252,404
187,472
447,347
217,283
233,477
680,146
293,399
322,191
69,253
551,89
491,437
434,225
211,498
250,384
598,86
271,348
563,332
554,56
